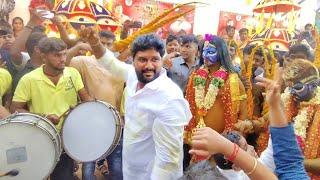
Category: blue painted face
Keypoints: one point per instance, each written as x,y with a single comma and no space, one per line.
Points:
303,92
210,54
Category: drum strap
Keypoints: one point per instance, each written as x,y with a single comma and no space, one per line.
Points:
74,87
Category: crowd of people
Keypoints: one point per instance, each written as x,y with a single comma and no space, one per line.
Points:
194,107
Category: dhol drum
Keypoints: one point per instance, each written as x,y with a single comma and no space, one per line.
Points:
91,131
29,144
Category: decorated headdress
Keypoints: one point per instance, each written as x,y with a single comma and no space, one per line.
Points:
300,70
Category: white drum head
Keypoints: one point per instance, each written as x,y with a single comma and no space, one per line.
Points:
89,131
26,148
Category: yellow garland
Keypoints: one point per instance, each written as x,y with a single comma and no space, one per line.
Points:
249,77
317,50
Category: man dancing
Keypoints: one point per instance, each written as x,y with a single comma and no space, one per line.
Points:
156,110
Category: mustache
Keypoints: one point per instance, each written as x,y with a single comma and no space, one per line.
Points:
147,70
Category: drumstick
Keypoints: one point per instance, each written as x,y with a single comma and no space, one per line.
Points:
63,114
13,172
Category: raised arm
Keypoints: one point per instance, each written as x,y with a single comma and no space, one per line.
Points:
287,154
206,142
19,44
74,51
63,32
105,56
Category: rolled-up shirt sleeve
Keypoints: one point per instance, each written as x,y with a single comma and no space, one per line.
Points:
168,137
115,66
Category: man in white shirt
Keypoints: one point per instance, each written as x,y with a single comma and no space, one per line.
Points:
156,111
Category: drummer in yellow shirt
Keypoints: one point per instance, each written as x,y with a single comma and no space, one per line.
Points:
5,85
51,90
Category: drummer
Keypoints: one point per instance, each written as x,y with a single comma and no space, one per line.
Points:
104,86
5,84
51,90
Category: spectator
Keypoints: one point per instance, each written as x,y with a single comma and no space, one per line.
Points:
17,26
182,66
297,51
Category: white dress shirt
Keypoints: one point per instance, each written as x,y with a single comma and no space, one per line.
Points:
155,118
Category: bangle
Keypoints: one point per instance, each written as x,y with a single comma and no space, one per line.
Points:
254,167
234,154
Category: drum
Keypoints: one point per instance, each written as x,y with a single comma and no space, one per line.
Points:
91,131
29,144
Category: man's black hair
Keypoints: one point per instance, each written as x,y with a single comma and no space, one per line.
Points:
228,28
189,39
107,34
172,37
243,30
305,27
248,49
146,42
222,163
52,44
33,41
300,48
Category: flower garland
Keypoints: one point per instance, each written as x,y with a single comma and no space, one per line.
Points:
205,101
303,117
301,122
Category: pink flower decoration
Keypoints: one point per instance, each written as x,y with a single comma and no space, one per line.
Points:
300,142
221,74
202,73
209,37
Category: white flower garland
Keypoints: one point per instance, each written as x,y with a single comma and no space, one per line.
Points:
302,120
206,101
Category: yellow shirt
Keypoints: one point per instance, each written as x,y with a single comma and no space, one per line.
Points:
5,82
43,97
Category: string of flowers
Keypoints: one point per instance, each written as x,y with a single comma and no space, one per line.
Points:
303,117
249,77
205,101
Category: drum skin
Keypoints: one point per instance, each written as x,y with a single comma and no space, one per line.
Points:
30,144
91,131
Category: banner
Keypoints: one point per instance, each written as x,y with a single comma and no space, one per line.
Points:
233,19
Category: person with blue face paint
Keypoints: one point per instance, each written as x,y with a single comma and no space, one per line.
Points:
215,93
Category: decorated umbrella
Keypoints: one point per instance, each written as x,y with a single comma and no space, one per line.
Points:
86,13
274,38
271,6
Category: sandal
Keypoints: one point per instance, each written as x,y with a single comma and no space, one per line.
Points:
103,168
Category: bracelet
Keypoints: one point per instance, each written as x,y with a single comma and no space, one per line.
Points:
234,154
254,167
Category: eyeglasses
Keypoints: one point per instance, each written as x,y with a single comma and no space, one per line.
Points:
9,36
